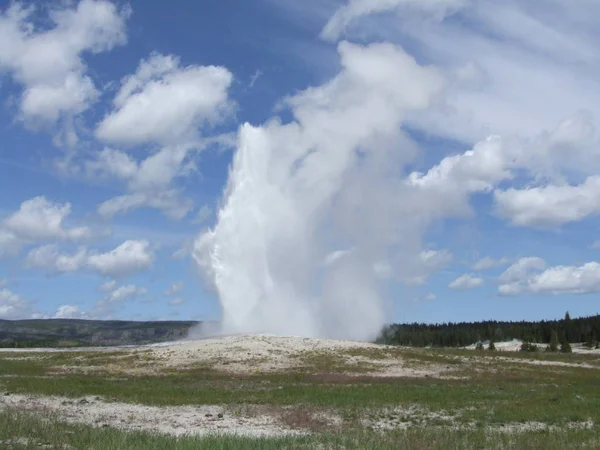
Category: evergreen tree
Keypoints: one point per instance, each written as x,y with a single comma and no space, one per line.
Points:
591,340
479,346
565,347
463,334
553,347
492,347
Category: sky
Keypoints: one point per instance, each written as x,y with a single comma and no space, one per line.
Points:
119,123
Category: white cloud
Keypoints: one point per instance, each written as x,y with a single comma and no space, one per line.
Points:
465,282
39,219
9,243
165,103
50,259
356,9
176,301
504,59
512,279
490,263
125,260
448,185
169,202
426,264
13,306
121,295
549,206
556,280
108,286
70,312
47,61
110,163
175,288
149,182
522,268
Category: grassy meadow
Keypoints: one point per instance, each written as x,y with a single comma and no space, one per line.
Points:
481,400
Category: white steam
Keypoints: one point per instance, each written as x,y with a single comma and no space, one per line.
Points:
314,207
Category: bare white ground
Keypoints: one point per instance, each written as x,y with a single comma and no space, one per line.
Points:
256,421
273,353
173,420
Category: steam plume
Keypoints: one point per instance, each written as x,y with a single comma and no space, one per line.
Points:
315,208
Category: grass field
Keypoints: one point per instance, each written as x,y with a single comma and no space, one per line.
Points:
113,400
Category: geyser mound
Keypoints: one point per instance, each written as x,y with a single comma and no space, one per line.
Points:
315,209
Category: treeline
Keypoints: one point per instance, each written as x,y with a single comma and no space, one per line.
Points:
37,343
583,329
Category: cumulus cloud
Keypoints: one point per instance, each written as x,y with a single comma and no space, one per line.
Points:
165,103
549,206
125,260
70,312
556,280
13,306
151,181
466,282
47,61
50,259
449,184
38,220
552,155
513,277
521,268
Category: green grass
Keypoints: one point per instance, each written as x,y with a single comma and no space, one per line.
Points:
22,431
507,393
486,393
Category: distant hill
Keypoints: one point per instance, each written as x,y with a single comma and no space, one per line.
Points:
74,332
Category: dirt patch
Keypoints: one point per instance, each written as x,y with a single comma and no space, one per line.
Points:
308,420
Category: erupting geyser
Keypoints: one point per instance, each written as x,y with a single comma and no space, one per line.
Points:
315,209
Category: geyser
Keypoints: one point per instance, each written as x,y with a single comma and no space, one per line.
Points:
315,208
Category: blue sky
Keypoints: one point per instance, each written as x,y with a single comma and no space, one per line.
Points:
119,123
